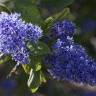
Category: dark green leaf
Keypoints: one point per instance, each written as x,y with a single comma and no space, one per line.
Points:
42,48
35,62
39,49
29,12
57,3
62,15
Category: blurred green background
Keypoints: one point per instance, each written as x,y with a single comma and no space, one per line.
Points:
35,11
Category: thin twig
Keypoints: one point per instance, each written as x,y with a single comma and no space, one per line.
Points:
13,70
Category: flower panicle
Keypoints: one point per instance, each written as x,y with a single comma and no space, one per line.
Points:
70,61
14,32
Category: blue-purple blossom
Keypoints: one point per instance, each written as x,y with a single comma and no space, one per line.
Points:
65,28
21,56
72,63
33,32
66,42
14,33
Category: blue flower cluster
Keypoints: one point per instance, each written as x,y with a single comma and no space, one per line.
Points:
33,32
14,33
65,28
69,61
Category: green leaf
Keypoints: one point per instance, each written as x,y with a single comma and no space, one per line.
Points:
26,68
38,66
3,8
39,49
4,59
35,62
62,15
42,48
42,77
57,3
29,12
35,80
47,24
33,90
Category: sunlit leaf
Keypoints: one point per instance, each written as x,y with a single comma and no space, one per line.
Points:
34,81
26,68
